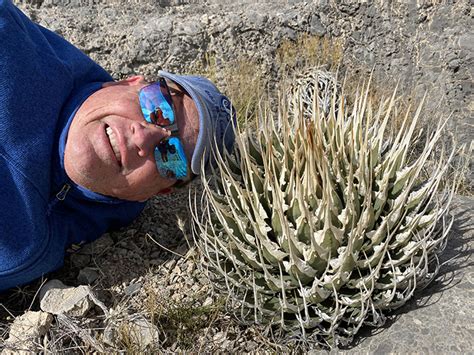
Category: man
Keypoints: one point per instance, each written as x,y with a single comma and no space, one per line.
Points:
79,153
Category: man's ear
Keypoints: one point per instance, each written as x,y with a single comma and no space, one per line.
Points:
131,81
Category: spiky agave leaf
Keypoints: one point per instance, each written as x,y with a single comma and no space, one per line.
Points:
318,222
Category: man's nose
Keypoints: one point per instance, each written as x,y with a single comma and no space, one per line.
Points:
146,136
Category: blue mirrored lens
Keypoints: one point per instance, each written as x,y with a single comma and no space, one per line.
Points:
157,108
170,158
156,104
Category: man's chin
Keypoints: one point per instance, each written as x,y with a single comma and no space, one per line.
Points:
130,195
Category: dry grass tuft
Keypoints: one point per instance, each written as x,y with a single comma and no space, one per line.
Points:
180,322
308,51
248,82
241,79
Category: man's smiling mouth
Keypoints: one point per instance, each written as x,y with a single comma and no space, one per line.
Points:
114,143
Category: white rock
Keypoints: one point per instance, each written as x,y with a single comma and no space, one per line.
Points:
219,337
208,302
26,331
143,332
140,332
56,298
51,285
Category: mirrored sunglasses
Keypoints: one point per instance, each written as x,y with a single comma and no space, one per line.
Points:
157,108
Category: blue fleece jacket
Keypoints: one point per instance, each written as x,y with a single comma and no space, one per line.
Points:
43,80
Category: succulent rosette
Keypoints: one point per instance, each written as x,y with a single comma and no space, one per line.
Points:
321,220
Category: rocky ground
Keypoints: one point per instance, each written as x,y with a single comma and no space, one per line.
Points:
148,292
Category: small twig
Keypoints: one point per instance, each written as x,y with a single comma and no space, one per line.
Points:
36,294
6,309
162,246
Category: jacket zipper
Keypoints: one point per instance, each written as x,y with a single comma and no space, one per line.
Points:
60,196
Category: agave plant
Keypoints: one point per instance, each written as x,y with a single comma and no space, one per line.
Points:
318,221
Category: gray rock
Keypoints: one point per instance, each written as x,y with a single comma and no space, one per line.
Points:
256,20
316,27
454,64
190,28
349,8
164,25
80,260
466,41
290,18
56,298
87,275
133,288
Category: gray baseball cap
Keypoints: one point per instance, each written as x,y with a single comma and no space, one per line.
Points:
217,117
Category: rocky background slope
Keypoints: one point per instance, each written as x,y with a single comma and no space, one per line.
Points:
427,45
149,293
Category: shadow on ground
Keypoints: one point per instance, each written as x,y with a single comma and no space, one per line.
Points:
438,319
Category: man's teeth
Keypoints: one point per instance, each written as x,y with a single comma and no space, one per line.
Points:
114,143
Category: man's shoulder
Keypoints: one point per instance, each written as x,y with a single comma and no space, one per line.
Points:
3,4
9,12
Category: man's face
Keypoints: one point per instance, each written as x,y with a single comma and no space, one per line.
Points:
110,147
